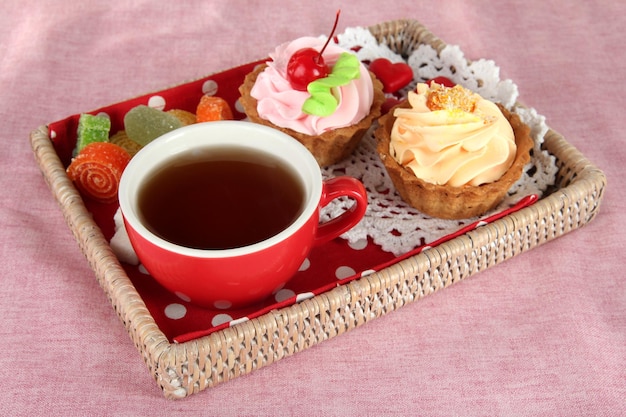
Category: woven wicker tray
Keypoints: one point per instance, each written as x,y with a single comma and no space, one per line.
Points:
181,369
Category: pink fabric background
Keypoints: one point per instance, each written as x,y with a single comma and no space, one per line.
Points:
541,334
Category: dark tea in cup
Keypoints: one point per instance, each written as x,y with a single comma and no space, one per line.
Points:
220,198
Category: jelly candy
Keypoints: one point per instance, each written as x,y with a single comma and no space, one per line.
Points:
185,117
91,129
97,169
212,108
143,124
129,145
394,76
445,81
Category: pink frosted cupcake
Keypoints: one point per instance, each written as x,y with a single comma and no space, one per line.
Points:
330,131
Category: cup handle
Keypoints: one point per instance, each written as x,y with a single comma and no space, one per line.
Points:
341,187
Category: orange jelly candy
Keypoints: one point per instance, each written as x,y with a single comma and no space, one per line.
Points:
97,169
212,108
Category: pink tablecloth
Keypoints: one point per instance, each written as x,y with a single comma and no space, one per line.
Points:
541,334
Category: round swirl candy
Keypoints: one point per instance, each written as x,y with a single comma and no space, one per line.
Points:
97,169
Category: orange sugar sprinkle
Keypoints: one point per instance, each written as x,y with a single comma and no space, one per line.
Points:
451,98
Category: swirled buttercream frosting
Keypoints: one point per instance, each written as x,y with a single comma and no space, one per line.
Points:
282,105
452,136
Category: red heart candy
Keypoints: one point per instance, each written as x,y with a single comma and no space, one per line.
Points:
388,104
394,76
446,82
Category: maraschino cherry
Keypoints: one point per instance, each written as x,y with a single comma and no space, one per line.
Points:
307,65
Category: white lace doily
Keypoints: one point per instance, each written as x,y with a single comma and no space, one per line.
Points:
391,223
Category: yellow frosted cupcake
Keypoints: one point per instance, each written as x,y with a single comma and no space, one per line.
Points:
450,153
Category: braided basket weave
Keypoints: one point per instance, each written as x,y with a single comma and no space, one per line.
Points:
181,369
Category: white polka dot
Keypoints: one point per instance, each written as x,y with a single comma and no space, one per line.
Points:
156,102
53,134
183,296
305,265
222,304
304,296
103,114
481,223
283,295
426,247
239,107
344,272
221,319
175,311
359,244
143,270
209,88
367,272
237,321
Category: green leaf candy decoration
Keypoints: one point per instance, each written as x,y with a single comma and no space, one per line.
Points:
322,101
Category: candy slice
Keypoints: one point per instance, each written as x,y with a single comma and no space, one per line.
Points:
129,145
143,124
91,129
185,117
212,108
97,169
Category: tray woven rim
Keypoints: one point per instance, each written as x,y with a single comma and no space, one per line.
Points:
181,369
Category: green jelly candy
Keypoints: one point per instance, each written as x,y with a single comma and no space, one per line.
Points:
143,124
91,129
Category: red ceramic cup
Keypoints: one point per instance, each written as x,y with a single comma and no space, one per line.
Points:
235,277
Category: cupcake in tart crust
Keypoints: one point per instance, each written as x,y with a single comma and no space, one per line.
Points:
268,98
450,153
